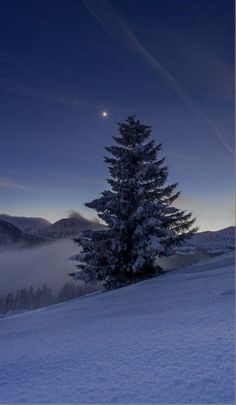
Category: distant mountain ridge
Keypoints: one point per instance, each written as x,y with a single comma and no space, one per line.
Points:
212,242
26,224
14,229
11,235
69,227
39,229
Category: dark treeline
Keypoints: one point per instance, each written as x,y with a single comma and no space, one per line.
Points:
32,298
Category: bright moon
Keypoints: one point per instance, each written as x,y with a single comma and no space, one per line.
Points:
104,114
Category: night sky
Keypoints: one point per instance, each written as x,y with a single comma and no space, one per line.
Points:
64,62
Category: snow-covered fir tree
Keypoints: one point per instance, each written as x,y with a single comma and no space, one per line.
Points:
142,223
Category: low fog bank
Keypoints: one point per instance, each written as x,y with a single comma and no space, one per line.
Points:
48,263
178,261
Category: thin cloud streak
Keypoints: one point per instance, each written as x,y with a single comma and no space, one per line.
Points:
9,183
24,89
114,24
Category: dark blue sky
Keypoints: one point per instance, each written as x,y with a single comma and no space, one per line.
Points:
65,61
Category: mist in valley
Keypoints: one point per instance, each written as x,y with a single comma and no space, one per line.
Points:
48,263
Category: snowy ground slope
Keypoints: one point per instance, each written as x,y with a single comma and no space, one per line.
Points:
165,340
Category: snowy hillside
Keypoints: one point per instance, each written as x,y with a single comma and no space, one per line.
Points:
212,242
164,340
26,224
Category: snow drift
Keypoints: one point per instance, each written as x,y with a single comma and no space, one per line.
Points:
165,340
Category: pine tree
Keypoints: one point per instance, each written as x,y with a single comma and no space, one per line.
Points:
47,297
142,223
67,292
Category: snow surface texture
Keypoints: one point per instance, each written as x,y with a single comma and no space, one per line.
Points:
164,340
